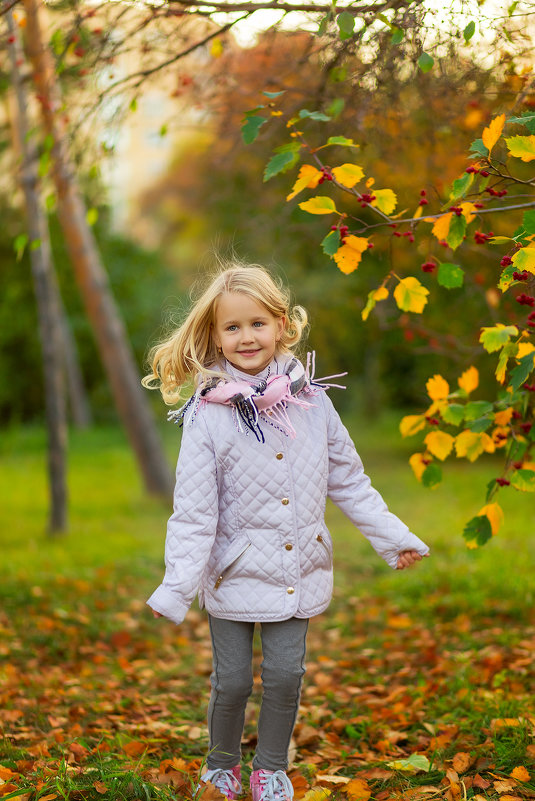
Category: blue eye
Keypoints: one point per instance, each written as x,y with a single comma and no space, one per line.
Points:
231,327
258,323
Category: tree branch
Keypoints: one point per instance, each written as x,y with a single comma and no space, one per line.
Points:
274,5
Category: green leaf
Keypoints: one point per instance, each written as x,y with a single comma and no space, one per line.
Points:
425,62
494,338
251,128
476,409
450,276
527,119
481,424
338,74
478,530
453,414
19,245
523,480
397,36
133,104
506,278
35,244
457,231
336,107
469,31
491,489
50,202
331,243
281,162
91,216
313,115
44,164
48,142
528,221
341,140
322,27
521,373
432,475
346,24
478,147
272,95
413,764
461,185
512,8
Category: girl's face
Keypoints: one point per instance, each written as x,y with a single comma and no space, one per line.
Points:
246,332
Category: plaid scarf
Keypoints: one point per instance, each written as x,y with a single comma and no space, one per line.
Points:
266,402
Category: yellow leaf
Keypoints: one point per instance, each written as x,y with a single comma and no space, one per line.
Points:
504,417
370,182
439,443
321,204
385,200
349,256
524,259
523,349
411,295
216,49
316,794
469,380
493,131
357,790
374,297
418,212
472,444
437,388
441,228
500,435
411,424
468,210
494,513
307,178
520,774
522,147
348,174
418,462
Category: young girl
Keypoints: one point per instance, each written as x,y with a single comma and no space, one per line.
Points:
262,448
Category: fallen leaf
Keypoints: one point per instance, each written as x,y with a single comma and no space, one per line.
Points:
461,762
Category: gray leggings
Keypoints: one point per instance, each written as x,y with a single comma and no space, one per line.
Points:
283,651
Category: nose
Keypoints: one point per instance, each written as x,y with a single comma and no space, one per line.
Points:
247,334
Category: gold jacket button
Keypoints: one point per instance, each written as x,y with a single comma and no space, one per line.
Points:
319,538
288,546
279,456
290,590
285,501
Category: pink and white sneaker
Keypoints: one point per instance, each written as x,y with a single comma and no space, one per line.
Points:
268,785
227,782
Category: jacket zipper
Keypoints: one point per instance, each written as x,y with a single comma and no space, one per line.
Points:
320,539
229,567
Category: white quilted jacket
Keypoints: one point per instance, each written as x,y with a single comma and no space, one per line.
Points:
247,533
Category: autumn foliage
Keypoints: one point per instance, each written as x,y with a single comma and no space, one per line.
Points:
366,216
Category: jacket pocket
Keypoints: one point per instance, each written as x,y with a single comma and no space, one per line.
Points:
227,569
324,543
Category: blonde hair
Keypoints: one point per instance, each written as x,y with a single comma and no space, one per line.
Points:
191,350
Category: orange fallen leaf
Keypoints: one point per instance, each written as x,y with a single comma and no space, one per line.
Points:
135,748
357,790
520,774
100,787
461,762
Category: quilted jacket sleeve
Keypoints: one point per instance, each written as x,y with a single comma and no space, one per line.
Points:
351,490
192,526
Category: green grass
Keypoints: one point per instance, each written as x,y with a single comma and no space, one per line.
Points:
84,663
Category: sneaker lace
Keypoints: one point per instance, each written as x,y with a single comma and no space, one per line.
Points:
276,786
224,780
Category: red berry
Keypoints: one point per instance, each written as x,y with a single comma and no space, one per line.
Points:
484,173
525,300
506,261
526,427
479,205
423,202
397,233
423,193
428,266
503,482
520,276
516,415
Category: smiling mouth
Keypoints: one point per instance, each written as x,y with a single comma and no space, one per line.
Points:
248,352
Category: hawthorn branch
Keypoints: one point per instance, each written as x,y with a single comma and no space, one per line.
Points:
313,8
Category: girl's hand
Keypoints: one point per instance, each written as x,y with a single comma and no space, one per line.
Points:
155,613
408,558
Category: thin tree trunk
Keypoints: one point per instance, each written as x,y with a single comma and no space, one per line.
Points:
108,328
80,410
47,294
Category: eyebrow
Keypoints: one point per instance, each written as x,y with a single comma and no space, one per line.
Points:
260,317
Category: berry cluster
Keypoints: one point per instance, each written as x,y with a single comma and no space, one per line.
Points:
496,192
503,482
525,300
457,210
531,320
365,199
518,276
423,199
483,173
343,230
326,175
408,234
428,266
481,237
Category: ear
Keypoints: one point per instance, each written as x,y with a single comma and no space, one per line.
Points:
281,325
